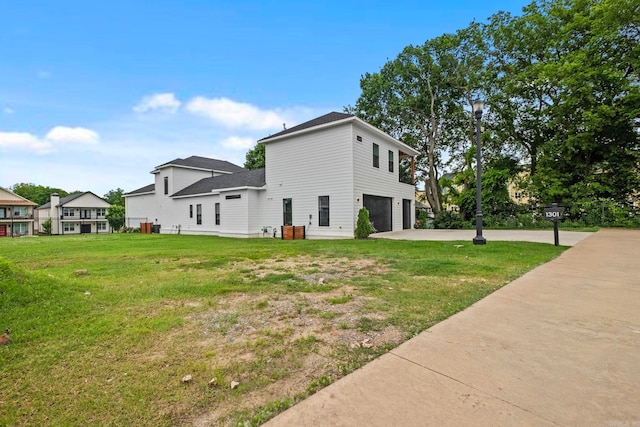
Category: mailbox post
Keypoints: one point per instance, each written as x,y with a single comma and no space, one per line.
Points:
554,214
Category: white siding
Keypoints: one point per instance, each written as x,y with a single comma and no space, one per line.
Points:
234,213
302,168
140,208
256,222
177,218
87,201
379,181
181,177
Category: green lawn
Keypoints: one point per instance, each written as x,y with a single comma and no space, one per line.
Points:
282,318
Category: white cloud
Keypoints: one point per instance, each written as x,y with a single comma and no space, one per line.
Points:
166,102
58,136
238,143
24,141
234,114
68,135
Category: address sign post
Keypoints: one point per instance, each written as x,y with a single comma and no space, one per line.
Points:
554,214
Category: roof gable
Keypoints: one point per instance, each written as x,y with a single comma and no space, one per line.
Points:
322,120
336,119
72,197
197,162
8,197
146,189
250,178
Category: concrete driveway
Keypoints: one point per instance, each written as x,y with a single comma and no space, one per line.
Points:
567,238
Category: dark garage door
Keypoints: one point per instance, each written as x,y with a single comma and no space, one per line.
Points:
85,228
379,211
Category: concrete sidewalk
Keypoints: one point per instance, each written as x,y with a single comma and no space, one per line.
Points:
566,238
559,346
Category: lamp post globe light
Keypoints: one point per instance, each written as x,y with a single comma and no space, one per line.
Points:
478,105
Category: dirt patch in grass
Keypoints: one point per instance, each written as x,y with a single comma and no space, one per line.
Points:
281,345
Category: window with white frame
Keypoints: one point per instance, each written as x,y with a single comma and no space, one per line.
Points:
101,212
69,226
102,226
20,228
20,211
217,207
68,212
199,214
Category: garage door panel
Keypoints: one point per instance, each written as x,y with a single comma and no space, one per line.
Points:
380,211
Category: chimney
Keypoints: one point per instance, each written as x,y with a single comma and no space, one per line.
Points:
55,213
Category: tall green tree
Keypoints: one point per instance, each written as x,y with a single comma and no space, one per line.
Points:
594,153
255,158
36,193
423,97
114,197
564,90
115,216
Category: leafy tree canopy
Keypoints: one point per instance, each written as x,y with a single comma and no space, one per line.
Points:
115,216
114,197
37,193
255,157
562,88
420,97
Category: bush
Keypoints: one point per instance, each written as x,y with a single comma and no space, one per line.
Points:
448,220
363,225
421,221
46,227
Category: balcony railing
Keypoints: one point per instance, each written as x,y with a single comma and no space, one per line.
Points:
16,217
81,216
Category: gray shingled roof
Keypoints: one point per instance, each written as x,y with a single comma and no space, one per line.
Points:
327,118
204,163
252,178
146,189
64,200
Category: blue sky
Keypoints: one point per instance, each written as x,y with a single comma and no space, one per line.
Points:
93,95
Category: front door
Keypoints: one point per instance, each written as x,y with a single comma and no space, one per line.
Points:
3,230
85,228
406,214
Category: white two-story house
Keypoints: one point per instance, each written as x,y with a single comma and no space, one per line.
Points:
317,175
80,213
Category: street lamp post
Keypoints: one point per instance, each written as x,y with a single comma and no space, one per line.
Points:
478,105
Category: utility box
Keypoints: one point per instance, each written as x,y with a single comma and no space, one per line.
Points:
145,227
292,232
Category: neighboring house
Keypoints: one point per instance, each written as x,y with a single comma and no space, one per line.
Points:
16,214
423,204
80,213
318,175
517,194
